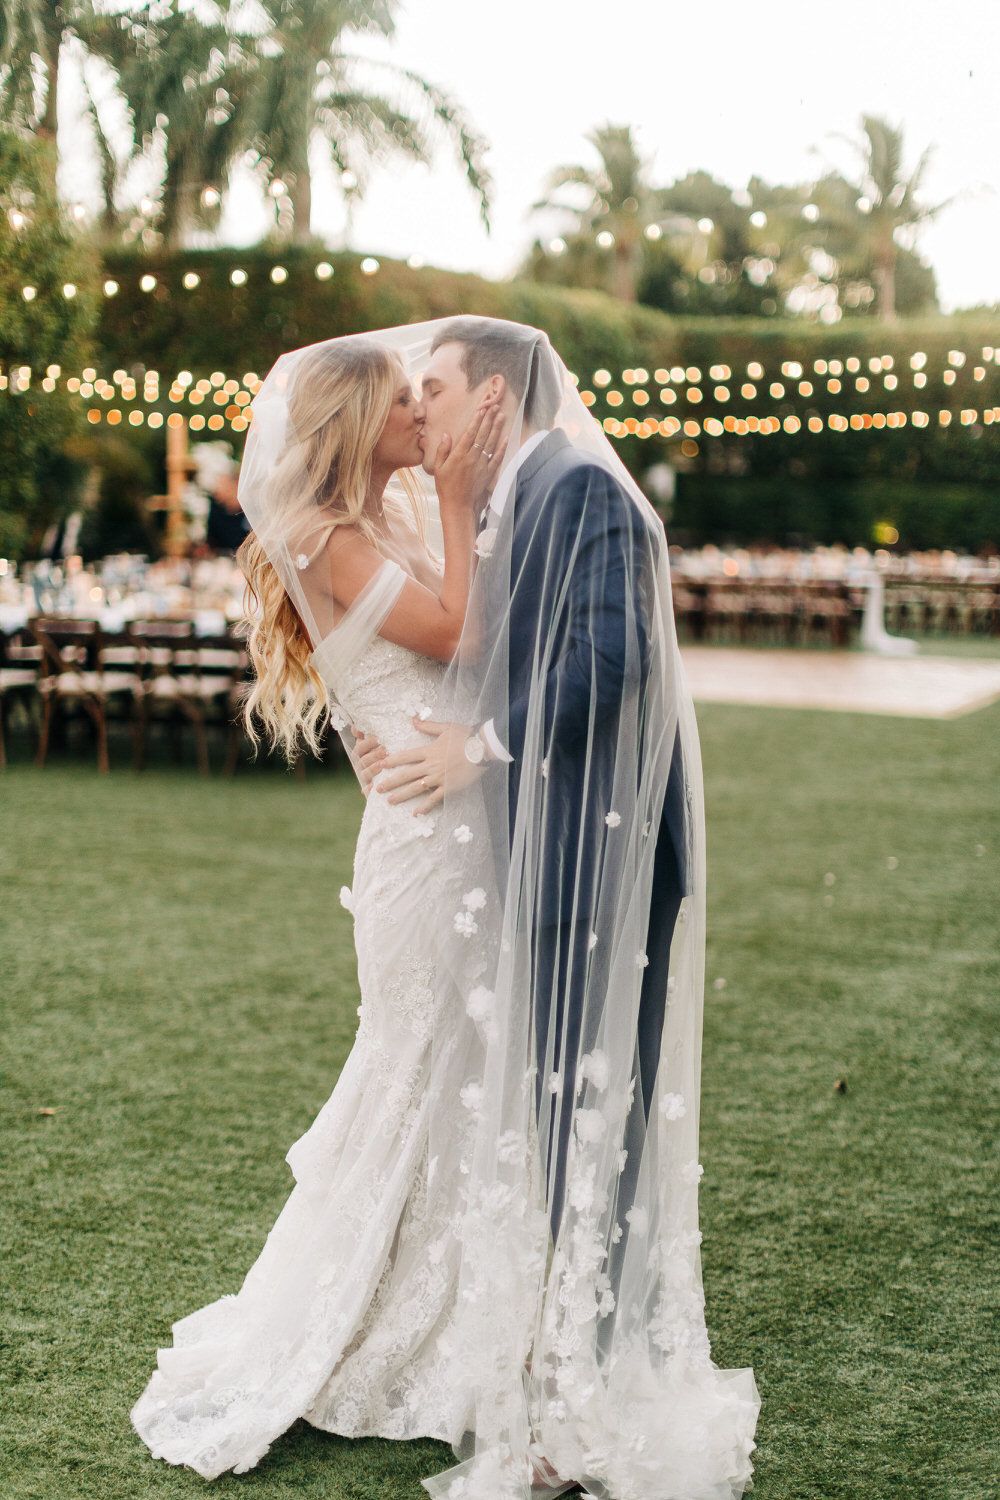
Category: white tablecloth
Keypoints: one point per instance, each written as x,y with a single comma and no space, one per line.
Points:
116,616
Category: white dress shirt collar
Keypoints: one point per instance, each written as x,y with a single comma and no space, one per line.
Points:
507,475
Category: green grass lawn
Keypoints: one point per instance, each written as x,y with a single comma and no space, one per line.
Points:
179,987
972,647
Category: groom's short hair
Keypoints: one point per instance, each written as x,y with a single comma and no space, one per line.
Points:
493,347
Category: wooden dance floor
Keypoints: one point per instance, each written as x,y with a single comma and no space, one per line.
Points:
926,687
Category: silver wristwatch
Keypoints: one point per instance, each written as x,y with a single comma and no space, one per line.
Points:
475,749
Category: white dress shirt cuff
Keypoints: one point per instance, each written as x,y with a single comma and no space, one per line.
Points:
489,734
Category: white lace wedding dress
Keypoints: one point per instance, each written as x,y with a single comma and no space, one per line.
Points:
344,1317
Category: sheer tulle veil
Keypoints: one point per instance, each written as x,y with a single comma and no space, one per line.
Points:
573,958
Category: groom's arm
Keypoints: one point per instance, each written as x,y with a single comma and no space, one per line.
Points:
492,741
590,553
603,648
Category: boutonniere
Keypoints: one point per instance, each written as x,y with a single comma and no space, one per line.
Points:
485,541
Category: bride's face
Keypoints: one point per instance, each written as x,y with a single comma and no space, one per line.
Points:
398,446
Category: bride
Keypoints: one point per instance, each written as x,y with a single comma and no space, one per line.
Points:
492,1237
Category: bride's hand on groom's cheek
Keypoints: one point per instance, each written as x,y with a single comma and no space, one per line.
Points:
429,771
466,471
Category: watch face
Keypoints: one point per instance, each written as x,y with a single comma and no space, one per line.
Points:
474,749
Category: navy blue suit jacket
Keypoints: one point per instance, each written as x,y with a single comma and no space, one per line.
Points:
580,550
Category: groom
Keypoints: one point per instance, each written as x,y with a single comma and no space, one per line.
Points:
553,490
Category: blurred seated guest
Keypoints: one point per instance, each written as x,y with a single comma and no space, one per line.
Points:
227,525
61,537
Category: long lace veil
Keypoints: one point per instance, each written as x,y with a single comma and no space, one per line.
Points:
573,959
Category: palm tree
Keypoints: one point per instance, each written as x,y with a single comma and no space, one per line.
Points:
206,92
34,36
619,202
186,80
309,86
874,208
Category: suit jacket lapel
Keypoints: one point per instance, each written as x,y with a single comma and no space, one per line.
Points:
500,581
550,445
527,479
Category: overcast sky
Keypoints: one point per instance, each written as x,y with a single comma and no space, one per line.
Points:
733,88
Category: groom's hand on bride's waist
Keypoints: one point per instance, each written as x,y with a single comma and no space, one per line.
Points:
429,771
369,755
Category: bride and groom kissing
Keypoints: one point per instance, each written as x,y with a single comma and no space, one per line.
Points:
492,1238
572,530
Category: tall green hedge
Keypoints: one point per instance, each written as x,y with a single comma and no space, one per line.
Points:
239,328
221,326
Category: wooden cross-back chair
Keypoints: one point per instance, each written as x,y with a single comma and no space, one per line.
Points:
72,669
186,678
825,613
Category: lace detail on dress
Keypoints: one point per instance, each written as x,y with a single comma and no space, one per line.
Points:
380,1386
386,686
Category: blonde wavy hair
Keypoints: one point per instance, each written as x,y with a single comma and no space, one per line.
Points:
339,400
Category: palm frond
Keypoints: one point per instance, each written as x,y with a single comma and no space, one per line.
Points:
23,43
575,176
453,123
376,124
885,153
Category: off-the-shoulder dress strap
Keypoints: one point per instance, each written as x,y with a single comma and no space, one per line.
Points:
361,621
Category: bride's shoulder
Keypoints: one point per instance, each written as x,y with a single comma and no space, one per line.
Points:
353,562
345,542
